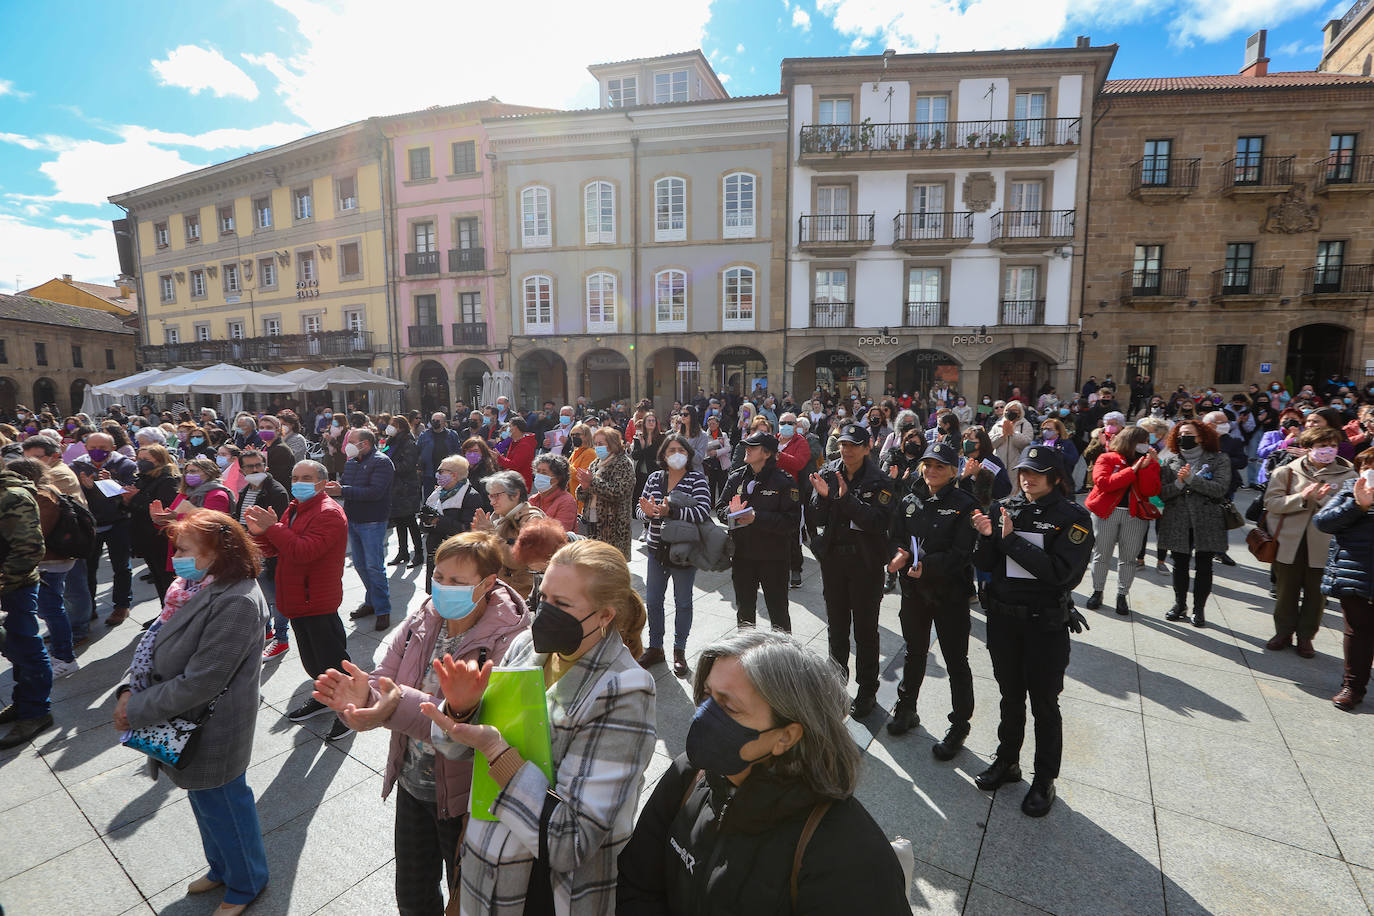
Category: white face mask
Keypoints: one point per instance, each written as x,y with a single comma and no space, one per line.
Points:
256,479
677,461
351,450
391,430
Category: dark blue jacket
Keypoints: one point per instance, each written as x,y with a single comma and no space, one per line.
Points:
1348,563
425,442
366,487
1234,449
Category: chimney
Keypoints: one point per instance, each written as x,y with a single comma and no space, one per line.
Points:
125,292
1256,64
66,278
1083,42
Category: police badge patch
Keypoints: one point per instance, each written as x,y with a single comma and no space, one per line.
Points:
884,497
1078,534
796,495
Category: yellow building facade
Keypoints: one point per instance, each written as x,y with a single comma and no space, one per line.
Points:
119,300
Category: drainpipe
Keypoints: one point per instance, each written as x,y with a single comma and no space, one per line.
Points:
635,394
393,331
787,255
1083,276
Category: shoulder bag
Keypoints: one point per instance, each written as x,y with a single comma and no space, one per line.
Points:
1261,544
172,742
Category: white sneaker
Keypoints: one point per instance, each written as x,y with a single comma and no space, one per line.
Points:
64,669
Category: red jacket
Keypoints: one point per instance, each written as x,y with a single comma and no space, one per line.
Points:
310,539
1112,476
520,459
794,456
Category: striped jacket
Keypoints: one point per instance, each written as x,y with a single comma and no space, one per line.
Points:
602,716
693,483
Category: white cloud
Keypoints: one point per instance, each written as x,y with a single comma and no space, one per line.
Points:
1218,19
858,44
739,48
1298,48
325,85
90,171
801,19
199,69
21,140
34,254
225,138
7,88
723,77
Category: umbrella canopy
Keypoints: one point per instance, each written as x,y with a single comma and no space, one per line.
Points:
342,378
136,383
296,376
221,378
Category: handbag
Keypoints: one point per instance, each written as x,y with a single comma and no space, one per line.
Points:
1143,507
1231,515
172,742
1261,544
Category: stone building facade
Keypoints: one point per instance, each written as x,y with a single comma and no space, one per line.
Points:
1348,42
50,352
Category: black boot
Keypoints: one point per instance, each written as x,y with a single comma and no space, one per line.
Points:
948,747
1039,799
904,719
1178,612
1001,771
1094,602
399,560
1122,607
1199,611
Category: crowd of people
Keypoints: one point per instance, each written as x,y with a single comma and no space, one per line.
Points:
525,524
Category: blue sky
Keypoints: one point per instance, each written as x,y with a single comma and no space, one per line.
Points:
115,95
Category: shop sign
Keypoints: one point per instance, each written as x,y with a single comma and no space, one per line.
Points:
880,340
972,340
1266,368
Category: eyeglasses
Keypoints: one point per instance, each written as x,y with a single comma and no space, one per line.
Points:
497,493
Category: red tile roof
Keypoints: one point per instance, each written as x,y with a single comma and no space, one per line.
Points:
1298,79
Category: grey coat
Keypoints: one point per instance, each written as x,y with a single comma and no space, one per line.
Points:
1193,506
214,640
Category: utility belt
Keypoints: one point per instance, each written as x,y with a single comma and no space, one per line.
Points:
1049,617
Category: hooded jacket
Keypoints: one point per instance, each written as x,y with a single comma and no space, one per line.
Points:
1291,516
21,533
1349,569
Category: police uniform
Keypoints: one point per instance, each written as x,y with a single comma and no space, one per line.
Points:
762,546
1030,610
853,551
942,527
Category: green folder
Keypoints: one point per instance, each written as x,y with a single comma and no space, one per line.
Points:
514,702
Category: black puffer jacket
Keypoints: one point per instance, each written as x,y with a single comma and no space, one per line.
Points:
1351,555
722,854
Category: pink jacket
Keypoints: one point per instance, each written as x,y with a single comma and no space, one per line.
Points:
409,651
559,504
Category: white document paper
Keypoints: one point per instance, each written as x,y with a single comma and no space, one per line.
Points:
1014,569
109,487
915,550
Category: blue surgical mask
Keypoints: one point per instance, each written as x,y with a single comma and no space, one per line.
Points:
197,440
565,420
222,460
303,490
602,452
786,430
486,421
187,569
542,482
505,434
453,602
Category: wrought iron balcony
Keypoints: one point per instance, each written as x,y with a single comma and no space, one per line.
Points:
325,345
1257,174
461,259
1159,283
1013,227
422,262
426,335
1247,281
1164,176
1343,172
926,314
831,314
932,229
1023,311
867,137
470,334
838,230
1347,279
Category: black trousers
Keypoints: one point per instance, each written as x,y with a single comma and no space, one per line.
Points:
950,616
749,574
1029,661
1202,577
426,851
321,642
853,589
407,524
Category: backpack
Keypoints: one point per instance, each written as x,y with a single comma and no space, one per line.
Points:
74,534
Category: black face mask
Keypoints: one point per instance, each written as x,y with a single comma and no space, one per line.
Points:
913,449
714,740
555,630
576,441
437,424
144,465
1187,442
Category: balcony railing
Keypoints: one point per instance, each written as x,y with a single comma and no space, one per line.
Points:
835,229
1011,225
1165,283
1023,311
1347,278
470,334
925,314
325,345
932,227
940,135
426,335
1342,169
1164,173
1247,281
829,314
1257,172
422,262
461,259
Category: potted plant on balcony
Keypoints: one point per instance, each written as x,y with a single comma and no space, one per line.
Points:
911,141
866,134
972,139
935,139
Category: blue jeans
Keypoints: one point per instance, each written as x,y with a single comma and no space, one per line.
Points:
229,831
656,587
78,601
267,581
367,546
24,650
50,589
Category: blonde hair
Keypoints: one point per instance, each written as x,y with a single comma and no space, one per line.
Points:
614,442
606,578
483,548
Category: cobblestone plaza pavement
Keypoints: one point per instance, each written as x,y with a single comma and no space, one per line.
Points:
1201,774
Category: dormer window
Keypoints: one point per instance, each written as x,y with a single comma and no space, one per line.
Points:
670,86
621,93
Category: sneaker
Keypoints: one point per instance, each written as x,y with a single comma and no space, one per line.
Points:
1162,567
24,731
308,710
795,580
339,730
274,648
64,669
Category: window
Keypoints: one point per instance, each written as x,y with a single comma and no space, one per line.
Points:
832,211
670,86
470,308
305,268
167,288
598,198
197,284
1145,270
1029,110
601,302
301,204
834,111
271,327
5,357
226,220
427,309
267,273
832,286
1330,261
76,357
192,221
670,300
924,286
422,239
1340,166
171,335
830,304
1235,276
418,159
160,235
535,229
621,93
1019,304
670,210
467,234
231,278
109,357
353,321
262,212
738,203
1154,168
310,324
932,117
538,304
1230,364
464,157
348,193
202,333
1249,156
350,260
235,330
737,295
1024,219
1140,360
928,211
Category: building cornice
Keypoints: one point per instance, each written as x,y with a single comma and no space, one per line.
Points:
954,64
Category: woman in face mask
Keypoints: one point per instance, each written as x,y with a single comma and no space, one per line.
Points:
471,618
450,507
1295,493
280,461
585,638
551,496
406,497
644,448
607,488
681,494
482,463
1124,478
246,432
767,745
580,456
158,481
1194,475
261,489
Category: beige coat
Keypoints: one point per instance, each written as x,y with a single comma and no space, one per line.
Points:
1290,516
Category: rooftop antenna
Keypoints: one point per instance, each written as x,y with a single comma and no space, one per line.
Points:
991,96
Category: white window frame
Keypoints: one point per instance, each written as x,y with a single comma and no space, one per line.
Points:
271,327
202,332
349,202
354,321
538,315
230,272
162,236
262,215
234,329
171,335
226,223
738,222
732,316
267,273
312,323
602,313
424,237
303,204
192,224
670,226
305,267
925,273
536,227
598,211
621,88
198,287
167,288
670,284
661,97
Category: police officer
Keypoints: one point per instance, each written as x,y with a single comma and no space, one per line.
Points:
852,501
932,554
761,505
1037,544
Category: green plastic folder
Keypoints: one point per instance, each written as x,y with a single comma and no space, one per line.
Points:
514,702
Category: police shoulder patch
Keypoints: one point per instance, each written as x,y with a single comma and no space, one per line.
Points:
884,497
796,495
1078,534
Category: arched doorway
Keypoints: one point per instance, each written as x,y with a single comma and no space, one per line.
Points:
78,393
835,371
672,374
605,377
1315,353
432,381
1009,370
739,370
470,372
9,396
44,394
541,376
917,371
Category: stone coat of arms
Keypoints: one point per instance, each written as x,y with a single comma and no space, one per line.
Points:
1292,214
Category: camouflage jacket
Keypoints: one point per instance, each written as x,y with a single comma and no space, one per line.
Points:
21,535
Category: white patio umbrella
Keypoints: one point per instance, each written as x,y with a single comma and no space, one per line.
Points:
221,378
345,378
296,376
138,382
